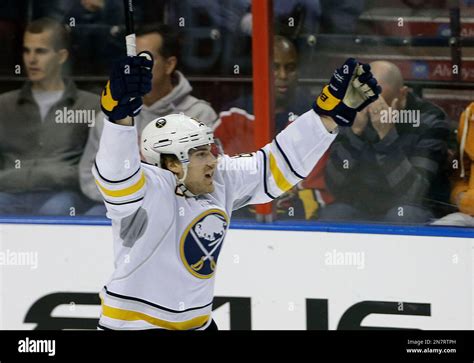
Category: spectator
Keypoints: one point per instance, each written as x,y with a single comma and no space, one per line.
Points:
235,130
171,93
290,101
40,142
390,162
14,16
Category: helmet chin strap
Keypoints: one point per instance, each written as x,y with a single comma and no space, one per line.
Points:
186,192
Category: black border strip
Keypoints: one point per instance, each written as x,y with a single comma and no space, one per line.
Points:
152,304
114,181
265,175
287,160
287,346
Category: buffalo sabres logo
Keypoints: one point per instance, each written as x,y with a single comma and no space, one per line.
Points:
202,241
160,123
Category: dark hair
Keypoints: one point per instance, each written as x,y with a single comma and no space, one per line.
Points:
170,44
167,157
60,35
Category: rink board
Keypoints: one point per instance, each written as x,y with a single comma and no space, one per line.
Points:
272,279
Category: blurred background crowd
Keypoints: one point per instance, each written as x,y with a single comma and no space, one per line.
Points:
406,160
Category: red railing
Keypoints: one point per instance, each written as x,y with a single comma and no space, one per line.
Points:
263,97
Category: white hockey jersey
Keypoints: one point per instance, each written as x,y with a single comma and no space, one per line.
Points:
166,246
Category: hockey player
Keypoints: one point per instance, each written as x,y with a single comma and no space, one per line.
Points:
170,212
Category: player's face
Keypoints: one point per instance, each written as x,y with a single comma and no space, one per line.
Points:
41,60
202,165
285,70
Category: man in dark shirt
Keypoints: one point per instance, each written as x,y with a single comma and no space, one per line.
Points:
388,164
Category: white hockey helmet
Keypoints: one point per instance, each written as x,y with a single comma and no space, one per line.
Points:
173,134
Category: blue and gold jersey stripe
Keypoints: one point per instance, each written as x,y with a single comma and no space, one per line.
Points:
117,193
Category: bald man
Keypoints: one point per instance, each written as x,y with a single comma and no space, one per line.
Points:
389,165
394,95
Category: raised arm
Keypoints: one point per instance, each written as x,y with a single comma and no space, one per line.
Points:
117,169
266,174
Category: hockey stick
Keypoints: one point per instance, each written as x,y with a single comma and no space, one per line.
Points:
129,28
130,38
